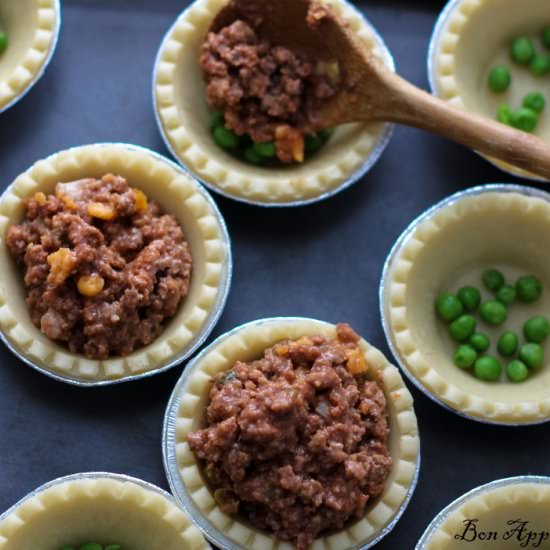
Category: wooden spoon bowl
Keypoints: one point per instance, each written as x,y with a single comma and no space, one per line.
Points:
368,91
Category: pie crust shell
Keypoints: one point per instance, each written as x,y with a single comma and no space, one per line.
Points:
475,36
177,194
247,343
98,509
494,507
182,114
32,27
446,250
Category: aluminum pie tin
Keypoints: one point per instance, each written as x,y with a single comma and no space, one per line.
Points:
170,459
362,170
438,521
209,324
435,39
47,60
383,292
93,475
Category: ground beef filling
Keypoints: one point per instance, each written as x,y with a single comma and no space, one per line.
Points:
104,268
297,441
264,91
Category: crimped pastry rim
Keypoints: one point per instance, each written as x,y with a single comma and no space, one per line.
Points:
266,332
478,497
27,505
316,186
214,289
15,91
442,30
387,283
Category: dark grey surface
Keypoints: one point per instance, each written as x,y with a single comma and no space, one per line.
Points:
322,261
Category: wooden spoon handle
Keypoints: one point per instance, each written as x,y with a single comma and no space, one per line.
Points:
409,105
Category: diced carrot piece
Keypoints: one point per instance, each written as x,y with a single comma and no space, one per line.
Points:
62,263
69,203
140,199
90,285
101,211
290,144
281,349
40,198
357,364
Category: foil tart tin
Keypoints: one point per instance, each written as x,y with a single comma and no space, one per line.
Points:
433,47
47,61
208,325
92,475
368,163
436,523
383,292
182,496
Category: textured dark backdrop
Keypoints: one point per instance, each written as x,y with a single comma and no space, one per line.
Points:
322,261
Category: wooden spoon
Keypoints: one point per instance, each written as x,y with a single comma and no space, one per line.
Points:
369,91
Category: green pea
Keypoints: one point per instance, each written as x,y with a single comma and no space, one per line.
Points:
462,328
525,119
216,119
499,79
469,297
252,156
266,149
506,295
540,65
448,306
225,138
529,289
91,546
532,355
479,342
534,101
313,143
245,141
504,115
493,312
522,50
3,41
536,329
493,279
517,371
508,343
546,37
488,368
465,356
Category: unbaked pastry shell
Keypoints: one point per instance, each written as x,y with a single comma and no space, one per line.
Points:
463,49
247,343
32,27
482,228
177,194
526,498
182,114
98,507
